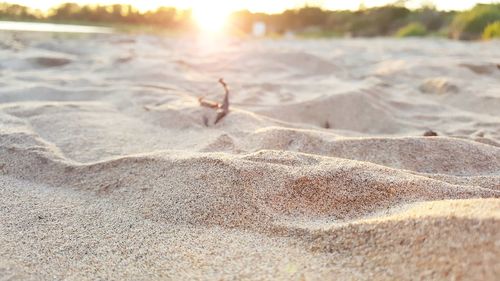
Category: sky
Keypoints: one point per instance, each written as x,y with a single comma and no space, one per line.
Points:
269,6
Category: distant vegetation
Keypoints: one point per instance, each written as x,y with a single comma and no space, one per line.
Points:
471,24
412,30
492,31
395,19
121,15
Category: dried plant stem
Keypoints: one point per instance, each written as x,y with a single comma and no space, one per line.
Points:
207,103
222,109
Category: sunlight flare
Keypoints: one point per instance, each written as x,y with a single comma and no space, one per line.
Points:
211,18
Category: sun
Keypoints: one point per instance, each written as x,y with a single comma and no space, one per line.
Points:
211,18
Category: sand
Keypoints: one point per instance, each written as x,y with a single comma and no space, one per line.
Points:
111,170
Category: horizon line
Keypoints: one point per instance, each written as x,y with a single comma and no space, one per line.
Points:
154,7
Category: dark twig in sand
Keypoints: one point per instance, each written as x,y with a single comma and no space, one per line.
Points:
224,109
207,103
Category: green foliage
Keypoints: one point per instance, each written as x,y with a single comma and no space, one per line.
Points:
414,29
492,31
318,34
14,11
167,17
471,24
432,19
113,15
379,21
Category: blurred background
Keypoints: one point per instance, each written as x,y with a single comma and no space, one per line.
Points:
464,20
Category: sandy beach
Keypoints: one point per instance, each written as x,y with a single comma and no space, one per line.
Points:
111,170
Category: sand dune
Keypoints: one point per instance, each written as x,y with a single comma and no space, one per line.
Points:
110,168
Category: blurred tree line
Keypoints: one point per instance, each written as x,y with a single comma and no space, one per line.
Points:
392,19
18,12
98,14
379,21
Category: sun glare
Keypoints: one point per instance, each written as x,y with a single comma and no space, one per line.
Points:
211,18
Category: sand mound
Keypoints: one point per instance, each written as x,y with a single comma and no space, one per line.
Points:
110,168
481,68
237,191
428,229
438,86
419,154
359,111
